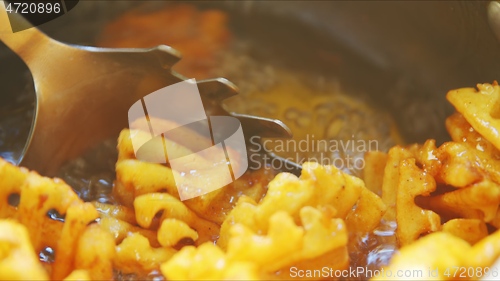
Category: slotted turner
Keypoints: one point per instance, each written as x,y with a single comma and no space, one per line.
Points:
83,93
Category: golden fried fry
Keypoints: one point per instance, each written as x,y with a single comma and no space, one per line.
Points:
325,185
135,255
287,193
336,259
18,260
470,230
391,180
373,173
480,108
125,147
286,243
191,140
129,139
148,205
11,181
466,202
116,211
475,157
78,275
320,240
172,231
496,220
412,220
459,165
76,220
440,255
366,216
252,184
184,142
38,196
485,252
305,210
135,178
438,250
271,251
462,132
120,230
261,255
318,186
207,262
428,157
95,253
55,217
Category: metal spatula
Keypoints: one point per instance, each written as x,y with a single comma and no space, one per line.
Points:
84,93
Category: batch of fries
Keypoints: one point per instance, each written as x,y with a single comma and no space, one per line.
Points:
444,201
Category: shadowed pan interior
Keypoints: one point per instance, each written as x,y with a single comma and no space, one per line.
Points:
340,74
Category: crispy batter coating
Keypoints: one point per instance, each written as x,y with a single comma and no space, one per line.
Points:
119,230
373,173
462,132
79,275
440,256
391,180
369,209
11,181
481,109
319,187
172,231
53,216
18,260
148,205
76,221
95,253
135,178
116,211
287,243
470,230
402,182
257,256
412,220
207,262
135,255
38,196
301,222
479,200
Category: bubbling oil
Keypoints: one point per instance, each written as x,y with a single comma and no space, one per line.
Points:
329,126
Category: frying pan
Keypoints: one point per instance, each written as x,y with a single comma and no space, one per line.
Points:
400,56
